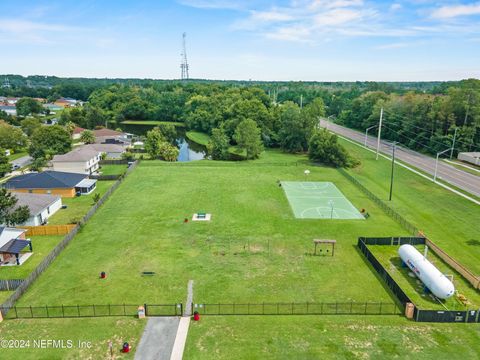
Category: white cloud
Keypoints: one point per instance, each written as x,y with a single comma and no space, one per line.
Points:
395,7
452,11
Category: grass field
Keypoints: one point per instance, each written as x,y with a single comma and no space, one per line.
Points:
254,250
447,219
329,337
151,122
388,257
77,207
198,137
113,170
115,329
17,155
42,245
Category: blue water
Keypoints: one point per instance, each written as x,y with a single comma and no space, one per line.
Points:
187,153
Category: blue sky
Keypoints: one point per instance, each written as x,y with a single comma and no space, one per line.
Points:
337,40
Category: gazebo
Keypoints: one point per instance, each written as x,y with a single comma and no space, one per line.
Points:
14,247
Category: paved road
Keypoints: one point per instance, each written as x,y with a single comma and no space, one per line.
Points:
23,161
158,339
450,174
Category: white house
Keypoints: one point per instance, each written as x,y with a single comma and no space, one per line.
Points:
41,207
12,244
81,160
111,151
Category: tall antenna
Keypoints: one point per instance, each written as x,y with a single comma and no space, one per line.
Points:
184,63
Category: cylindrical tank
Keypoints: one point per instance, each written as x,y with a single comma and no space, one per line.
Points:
431,277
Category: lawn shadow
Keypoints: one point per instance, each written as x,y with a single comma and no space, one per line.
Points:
473,242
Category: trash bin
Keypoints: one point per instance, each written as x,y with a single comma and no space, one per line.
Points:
196,316
103,275
141,312
126,347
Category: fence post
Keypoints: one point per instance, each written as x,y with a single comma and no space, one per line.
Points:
78,310
63,311
380,308
292,308
94,313
16,314
31,312
109,311
46,308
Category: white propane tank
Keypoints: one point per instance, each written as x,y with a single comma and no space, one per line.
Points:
432,278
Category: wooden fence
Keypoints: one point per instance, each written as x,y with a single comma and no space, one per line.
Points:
47,229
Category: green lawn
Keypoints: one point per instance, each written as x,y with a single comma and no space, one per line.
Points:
198,137
151,122
328,337
413,287
42,245
113,170
4,295
77,207
115,329
17,155
446,218
254,249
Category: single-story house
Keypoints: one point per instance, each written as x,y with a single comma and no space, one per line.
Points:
12,244
81,160
109,136
9,109
77,132
111,151
53,183
41,207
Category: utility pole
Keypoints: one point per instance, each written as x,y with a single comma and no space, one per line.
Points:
393,166
366,133
379,131
436,163
453,143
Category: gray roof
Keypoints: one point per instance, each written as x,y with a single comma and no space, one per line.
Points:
108,148
79,154
45,180
35,202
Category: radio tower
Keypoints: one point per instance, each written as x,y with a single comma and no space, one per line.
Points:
184,64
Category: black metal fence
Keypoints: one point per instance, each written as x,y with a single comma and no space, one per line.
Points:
392,284
22,288
304,308
105,177
76,311
114,162
387,209
414,240
10,284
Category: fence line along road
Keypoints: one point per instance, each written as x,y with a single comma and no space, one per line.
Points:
450,174
45,263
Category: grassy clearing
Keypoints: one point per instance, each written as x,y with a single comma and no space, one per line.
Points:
4,295
254,250
113,170
117,330
447,219
198,137
329,337
17,155
42,245
77,207
151,122
413,287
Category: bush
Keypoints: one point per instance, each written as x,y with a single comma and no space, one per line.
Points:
324,148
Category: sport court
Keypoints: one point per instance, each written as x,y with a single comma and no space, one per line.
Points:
319,200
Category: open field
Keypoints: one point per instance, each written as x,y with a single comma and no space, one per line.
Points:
447,219
329,337
115,329
413,287
253,250
17,155
42,246
78,206
198,137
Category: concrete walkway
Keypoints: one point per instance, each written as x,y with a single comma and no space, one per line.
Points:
158,339
182,332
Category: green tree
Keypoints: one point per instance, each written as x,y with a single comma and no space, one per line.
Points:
48,141
168,152
169,132
26,106
38,164
293,134
325,149
247,136
11,137
219,144
87,137
5,166
153,142
11,214
29,125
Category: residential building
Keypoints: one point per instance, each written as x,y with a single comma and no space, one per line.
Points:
41,207
109,136
81,160
60,183
77,132
9,109
111,151
12,243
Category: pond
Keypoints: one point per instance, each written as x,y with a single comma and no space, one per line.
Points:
190,151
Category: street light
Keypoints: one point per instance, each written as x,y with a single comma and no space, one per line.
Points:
436,163
366,132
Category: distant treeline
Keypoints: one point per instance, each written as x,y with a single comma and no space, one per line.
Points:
421,115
